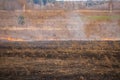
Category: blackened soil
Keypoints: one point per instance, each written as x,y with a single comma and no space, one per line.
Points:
63,60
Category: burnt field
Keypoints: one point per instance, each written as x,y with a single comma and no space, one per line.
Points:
60,60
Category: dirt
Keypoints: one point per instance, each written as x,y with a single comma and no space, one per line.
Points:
60,60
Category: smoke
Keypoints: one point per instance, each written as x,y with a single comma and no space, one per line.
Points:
77,27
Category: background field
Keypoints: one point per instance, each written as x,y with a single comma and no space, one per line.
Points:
59,25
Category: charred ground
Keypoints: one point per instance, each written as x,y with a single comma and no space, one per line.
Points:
60,60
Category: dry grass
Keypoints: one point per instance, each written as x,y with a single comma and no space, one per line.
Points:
98,23
64,60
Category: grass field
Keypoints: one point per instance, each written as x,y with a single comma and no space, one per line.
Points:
53,24
60,45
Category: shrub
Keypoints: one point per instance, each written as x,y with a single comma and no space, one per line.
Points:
21,20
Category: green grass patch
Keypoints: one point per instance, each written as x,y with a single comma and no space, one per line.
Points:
104,17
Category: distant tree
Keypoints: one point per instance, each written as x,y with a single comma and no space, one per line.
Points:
44,2
48,1
89,3
36,1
